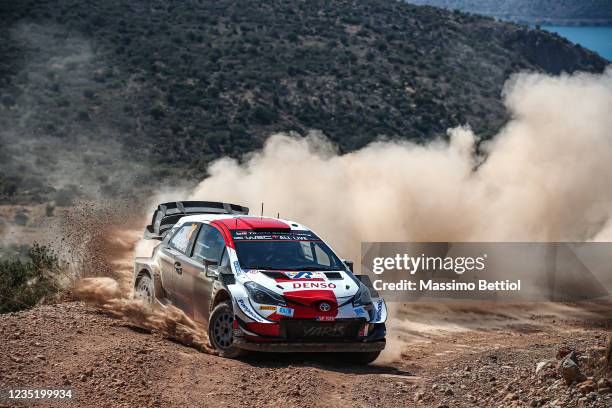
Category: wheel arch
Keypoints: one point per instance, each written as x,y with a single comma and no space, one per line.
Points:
220,295
145,270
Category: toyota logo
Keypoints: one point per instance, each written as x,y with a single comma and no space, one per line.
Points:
324,307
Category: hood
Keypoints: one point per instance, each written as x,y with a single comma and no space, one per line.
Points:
308,287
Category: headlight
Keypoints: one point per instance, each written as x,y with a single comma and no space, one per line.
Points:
362,297
262,295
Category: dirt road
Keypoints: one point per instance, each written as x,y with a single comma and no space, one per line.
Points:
439,355
111,363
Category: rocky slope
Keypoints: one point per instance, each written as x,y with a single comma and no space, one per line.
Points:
102,97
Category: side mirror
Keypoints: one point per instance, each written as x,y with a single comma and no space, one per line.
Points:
211,273
349,264
220,271
209,262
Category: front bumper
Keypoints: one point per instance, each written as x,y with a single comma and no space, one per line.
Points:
293,347
310,331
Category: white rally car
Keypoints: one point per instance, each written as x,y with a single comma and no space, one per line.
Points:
259,283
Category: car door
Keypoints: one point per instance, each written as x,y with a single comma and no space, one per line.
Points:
165,257
207,255
179,245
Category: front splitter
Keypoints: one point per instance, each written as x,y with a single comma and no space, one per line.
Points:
286,347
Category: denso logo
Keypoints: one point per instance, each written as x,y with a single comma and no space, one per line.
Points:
313,285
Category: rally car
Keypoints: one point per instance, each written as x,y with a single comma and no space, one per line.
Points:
259,283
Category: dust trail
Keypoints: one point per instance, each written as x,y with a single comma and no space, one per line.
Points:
65,133
98,240
544,177
102,243
168,322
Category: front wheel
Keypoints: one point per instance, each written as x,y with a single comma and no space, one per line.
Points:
360,358
221,331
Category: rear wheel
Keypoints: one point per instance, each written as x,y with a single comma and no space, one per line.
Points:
362,358
144,289
221,331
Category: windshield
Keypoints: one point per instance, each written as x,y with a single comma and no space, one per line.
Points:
285,254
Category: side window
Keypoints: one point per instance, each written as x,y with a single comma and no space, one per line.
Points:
224,259
180,240
322,257
307,250
169,235
209,245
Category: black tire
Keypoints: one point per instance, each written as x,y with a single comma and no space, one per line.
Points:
221,331
144,289
359,358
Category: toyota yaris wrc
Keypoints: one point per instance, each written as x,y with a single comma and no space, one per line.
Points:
258,283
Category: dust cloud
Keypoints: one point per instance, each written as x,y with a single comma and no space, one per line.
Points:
543,177
66,134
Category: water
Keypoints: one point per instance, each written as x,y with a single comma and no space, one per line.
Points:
598,39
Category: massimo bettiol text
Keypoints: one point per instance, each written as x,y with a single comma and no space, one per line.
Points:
413,265
486,271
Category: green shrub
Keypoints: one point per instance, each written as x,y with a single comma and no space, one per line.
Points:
26,281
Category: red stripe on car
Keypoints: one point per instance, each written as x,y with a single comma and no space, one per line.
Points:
253,223
282,280
227,236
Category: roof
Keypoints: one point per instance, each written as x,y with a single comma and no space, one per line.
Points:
247,223
242,222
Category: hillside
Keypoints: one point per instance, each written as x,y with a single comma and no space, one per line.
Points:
572,12
100,97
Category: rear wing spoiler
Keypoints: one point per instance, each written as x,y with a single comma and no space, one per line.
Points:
168,214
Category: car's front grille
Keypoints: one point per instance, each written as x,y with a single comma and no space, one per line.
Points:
305,330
